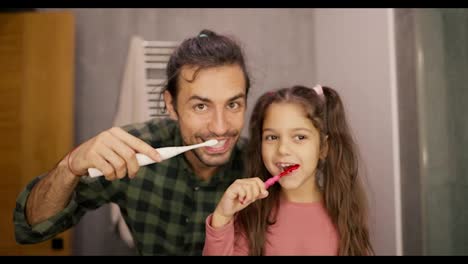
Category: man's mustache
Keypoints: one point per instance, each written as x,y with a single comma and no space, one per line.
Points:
231,133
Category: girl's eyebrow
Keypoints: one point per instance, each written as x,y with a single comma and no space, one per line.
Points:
302,128
294,129
268,130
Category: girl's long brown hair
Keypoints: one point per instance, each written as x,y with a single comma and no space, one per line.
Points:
343,194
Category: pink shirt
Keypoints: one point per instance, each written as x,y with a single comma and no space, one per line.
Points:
301,229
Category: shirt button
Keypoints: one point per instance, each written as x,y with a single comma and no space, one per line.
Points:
196,188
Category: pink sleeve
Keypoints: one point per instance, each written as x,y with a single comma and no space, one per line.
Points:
222,241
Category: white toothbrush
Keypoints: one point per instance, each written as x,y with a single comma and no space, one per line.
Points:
165,153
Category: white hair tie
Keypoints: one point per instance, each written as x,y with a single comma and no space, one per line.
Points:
319,90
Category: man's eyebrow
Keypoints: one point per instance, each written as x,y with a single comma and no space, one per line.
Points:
207,100
235,97
196,97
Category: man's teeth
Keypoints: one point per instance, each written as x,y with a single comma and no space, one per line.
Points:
219,144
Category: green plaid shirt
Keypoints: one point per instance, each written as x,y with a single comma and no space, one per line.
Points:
165,206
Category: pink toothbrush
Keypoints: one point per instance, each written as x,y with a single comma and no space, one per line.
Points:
276,178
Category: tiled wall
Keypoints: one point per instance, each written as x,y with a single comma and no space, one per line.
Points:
432,55
443,104
455,25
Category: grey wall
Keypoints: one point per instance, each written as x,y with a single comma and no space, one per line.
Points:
355,54
279,49
278,45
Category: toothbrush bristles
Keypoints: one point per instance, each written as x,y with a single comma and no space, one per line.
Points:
211,142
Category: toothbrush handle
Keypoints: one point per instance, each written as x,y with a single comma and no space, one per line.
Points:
271,181
141,158
165,153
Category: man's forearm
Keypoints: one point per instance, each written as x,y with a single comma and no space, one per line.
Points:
51,194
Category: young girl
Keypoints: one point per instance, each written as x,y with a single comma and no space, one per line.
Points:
318,209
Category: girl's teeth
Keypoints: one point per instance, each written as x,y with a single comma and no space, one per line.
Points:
283,166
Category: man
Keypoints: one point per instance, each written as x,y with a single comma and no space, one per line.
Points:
164,204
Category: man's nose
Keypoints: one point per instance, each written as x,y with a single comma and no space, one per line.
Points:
219,125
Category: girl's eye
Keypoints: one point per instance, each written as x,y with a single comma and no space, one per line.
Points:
300,137
270,137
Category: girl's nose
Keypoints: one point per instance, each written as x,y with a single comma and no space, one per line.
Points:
283,147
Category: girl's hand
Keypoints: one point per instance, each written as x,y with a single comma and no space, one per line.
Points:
238,196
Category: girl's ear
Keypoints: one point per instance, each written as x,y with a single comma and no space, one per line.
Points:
168,100
324,149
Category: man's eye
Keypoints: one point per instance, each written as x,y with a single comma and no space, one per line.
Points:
233,105
200,107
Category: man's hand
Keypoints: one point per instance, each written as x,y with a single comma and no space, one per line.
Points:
113,152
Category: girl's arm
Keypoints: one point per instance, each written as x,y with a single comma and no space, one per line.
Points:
221,237
224,241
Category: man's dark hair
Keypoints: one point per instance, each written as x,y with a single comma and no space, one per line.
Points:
206,50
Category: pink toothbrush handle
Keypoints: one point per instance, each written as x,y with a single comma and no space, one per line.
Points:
271,181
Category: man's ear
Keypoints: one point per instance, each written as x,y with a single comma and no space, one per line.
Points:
169,101
324,149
